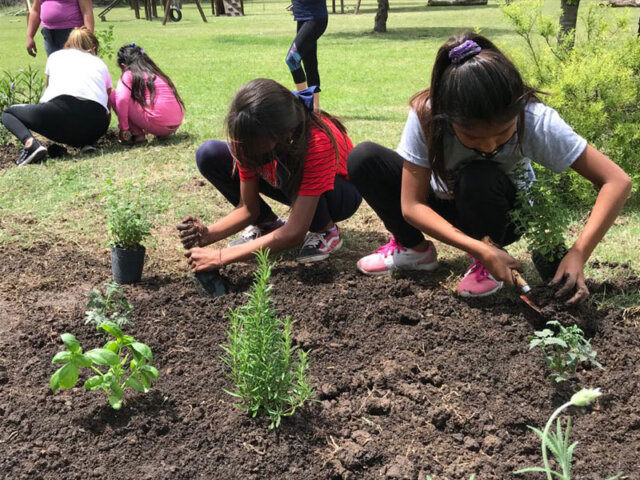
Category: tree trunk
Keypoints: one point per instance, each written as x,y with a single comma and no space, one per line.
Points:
380,23
568,21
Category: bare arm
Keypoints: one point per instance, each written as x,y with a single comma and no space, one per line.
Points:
415,191
614,185
291,234
32,27
86,9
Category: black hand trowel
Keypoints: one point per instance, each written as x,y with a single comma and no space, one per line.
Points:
210,283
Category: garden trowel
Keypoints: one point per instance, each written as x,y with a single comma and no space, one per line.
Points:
210,282
518,280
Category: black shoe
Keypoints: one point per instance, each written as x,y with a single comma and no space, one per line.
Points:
56,151
33,154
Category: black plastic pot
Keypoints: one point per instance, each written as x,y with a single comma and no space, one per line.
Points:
127,264
546,267
210,283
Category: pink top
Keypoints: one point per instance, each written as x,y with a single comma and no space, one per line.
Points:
166,110
59,14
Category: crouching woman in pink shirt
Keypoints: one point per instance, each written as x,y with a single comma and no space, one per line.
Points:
146,100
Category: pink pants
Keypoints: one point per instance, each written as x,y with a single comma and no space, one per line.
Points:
140,121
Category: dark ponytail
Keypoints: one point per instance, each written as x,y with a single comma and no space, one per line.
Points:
264,111
143,72
483,88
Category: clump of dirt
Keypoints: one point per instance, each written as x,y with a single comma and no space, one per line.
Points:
411,381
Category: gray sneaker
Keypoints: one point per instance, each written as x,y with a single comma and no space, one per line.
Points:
255,231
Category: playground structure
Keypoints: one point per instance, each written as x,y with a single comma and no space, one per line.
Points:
172,9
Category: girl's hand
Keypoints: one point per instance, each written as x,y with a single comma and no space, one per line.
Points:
500,264
204,259
571,271
125,137
192,232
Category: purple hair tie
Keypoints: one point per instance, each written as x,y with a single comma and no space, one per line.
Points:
464,51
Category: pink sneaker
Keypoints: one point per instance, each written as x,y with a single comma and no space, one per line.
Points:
478,282
318,246
394,256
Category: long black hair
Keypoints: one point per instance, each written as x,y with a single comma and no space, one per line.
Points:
265,112
143,72
485,88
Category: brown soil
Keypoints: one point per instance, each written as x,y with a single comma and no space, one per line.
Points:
410,381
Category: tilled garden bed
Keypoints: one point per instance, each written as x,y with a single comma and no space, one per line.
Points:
410,380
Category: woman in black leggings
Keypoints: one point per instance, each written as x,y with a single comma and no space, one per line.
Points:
73,109
312,18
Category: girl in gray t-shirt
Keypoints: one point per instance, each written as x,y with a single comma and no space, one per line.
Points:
453,175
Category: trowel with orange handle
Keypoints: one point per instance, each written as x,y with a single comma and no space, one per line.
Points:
518,280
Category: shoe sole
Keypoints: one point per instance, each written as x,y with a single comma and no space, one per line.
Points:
486,294
322,256
39,155
427,267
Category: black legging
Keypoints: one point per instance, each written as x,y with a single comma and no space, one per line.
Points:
64,119
304,49
483,196
215,162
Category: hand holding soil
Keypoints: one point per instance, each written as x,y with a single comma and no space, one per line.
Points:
500,264
571,272
192,232
204,259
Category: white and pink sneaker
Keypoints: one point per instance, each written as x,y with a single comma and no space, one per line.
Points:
318,246
478,282
394,256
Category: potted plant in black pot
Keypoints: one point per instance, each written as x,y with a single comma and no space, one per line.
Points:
128,225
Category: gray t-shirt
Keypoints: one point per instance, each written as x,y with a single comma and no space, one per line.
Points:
547,140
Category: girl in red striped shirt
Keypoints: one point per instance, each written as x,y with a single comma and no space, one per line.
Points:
278,147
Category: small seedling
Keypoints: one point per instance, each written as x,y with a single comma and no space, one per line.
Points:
129,365
267,379
563,351
111,306
558,443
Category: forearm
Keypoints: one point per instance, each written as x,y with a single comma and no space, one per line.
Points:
34,22
86,8
235,221
610,200
427,220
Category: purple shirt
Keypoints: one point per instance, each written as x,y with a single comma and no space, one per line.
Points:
59,14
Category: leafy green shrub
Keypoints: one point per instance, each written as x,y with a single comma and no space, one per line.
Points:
105,39
594,86
558,443
267,379
127,215
564,351
129,365
112,306
24,86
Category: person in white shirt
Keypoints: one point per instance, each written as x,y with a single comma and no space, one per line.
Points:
73,109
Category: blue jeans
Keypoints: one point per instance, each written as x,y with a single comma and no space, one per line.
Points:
54,40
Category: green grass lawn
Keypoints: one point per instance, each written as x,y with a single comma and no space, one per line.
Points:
367,80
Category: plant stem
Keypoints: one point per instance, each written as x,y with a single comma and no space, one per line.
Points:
545,434
94,368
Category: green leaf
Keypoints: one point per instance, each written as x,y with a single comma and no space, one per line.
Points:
102,356
82,360
94,383
61,357
71,343
112,329
136,385
143,350
54,381
151,370
68,375
112,346
555,341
